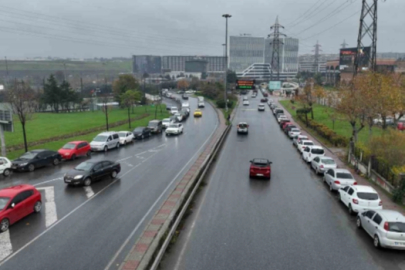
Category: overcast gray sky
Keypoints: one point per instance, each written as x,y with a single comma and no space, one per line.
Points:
102,28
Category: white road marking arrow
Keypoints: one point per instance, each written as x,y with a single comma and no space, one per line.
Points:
5,245
50,205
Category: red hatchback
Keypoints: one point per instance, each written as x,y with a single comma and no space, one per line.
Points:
72,150
17,202
260,167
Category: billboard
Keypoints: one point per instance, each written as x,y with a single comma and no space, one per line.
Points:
245,84
274,85
348,55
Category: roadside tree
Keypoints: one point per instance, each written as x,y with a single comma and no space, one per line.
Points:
123,83
129,99
182,84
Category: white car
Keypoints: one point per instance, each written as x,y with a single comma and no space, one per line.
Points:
294,132
261,108
245,98
126,137
386,227
312,151
179,116
299,138
246,103
338,178
5,166
360,198
281,117
167,122
304,143
174,129
322,164
174,110
242,128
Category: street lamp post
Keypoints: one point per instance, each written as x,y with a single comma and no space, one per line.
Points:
226,16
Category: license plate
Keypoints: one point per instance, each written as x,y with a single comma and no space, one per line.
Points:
400,243
259,174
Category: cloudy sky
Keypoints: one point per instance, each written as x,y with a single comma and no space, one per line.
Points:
106,28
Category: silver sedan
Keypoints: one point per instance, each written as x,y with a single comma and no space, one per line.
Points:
338,178
322,164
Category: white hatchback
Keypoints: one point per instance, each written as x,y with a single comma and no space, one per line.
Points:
312,151
338,178
5,166
299,138
360,198
125,137
246,103
294,132
304,143
322,164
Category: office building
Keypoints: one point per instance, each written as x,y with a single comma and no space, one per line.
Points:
177,63
146,64
196,65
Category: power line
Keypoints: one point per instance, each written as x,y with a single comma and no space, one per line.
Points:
311,13
305,13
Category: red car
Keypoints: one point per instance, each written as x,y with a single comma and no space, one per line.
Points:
16,203
401,126
260,167
72,150
285,124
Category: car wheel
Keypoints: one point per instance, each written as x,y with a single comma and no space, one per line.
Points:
330,188
316,171
88,154
118,145
4,224
87,182
105,148
55,161
73,157
351,212
37,206
113,174
125,142
376,241
358,223
31,167
6,172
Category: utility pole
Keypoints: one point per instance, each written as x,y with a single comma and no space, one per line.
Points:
316,56
226,16
344,44
275,54
368,27
6,71
64,73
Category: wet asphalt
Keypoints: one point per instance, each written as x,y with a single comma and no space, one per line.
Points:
289,222
82,228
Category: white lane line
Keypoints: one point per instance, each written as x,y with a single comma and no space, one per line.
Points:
89,192
47,181
156,202
124,159
56,223
51,215
5,245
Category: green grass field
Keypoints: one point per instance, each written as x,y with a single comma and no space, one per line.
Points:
321,115
48,125
122,66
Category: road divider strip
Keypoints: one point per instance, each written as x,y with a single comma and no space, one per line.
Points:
152,243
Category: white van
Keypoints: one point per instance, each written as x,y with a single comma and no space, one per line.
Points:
105,141
201,103
185,105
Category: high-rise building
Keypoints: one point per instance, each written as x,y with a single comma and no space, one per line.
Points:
245,51
178,62
146,64
288,53
196,65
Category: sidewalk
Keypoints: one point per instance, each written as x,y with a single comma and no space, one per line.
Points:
338,154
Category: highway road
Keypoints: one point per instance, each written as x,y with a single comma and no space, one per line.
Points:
94,227
290,222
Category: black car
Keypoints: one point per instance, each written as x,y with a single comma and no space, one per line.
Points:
90,171
36,159
184,96
185,113
141,133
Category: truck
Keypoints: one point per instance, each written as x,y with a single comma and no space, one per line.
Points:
201,103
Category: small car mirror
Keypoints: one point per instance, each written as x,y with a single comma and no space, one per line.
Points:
12,205
250,161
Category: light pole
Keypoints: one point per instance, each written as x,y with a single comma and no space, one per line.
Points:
226,16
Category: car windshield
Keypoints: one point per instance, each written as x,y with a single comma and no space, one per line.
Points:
317,151
396,227
295,130
260,162
308,143
69,146
342,175
328,161
173,126
367,196
242,125
166,120
139,129
28,155
84,166
3,202
100,138
153,124
122,134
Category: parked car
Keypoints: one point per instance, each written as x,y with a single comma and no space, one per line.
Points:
278,110
174,110
17,202
75,149
288,127
281,116
261,108
174,129
386,227
294,132
90,171
35,159
283,121
246,103
304,143
155,126
197,113
338,178
401,126
359,198
242,128
5,166
312,151
125,137
322,164
105,141
167,122
260,167
285,124
297,139
141,133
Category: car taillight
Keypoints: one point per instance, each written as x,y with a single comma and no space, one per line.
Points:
355,201
321,167
355,183
337,182
386,226
380,203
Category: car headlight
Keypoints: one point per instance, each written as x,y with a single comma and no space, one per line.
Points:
78,177
22,164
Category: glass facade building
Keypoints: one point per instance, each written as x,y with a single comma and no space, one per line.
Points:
146,64
245,51
288,53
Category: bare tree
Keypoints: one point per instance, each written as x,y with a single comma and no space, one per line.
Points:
23,100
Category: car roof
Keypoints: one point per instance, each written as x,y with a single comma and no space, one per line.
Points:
326,157
166,119
77,142
13,190
154,121
342,170
241,123
315,147
139,128
38,150
391,215
304,141
122,131
107,133
260,160
363,188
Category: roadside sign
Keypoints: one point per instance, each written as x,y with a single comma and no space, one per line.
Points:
245,84
274,85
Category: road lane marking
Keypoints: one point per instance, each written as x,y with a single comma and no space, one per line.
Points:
157,201
51,216
124,159
5,245
47,181
89,192
56,223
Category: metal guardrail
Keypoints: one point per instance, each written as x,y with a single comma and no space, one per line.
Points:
183,209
